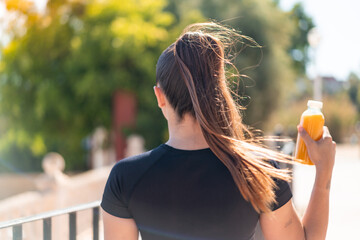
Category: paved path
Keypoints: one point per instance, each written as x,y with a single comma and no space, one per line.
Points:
344,220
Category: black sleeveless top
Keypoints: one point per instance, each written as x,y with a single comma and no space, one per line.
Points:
182,194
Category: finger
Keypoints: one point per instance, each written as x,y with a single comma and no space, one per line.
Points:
326,133
305,136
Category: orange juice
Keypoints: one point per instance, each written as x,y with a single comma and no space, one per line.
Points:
312,120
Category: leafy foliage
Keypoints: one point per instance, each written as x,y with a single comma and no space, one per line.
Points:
354,90
299,47
57,79
59,73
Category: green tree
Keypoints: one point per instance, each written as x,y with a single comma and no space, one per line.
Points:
354,90
59,72
299,49
58,75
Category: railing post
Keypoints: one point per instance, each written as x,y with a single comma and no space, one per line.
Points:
72,226
17,232
95,223
47,229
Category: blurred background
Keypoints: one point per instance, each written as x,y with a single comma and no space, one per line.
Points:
76,80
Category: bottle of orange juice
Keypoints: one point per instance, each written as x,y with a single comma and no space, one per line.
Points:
312,120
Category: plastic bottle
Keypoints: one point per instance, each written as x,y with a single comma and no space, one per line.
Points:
312,120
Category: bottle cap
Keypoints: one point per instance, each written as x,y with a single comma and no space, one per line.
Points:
315,104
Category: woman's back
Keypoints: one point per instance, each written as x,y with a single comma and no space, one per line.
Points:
182,194
222,190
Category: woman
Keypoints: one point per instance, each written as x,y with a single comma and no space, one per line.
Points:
210,180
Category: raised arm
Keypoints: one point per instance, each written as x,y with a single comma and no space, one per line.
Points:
284,223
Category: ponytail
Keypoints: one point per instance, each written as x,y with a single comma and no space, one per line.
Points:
199,60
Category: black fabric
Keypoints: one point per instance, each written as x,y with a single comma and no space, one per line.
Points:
182,194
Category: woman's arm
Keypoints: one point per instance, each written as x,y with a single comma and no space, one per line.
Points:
119,228
284,222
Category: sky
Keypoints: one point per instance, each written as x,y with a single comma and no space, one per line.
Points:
338,24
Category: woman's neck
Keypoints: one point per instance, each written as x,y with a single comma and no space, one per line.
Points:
185,134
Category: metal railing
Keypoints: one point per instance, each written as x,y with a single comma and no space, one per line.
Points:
47,218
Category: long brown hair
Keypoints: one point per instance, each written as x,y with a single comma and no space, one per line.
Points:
191,72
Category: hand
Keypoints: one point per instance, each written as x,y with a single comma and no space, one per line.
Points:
322,152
